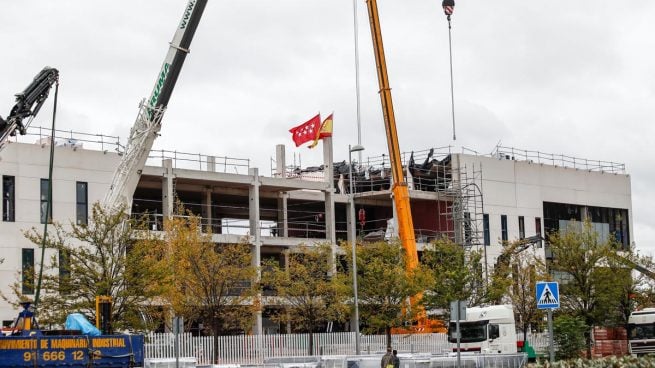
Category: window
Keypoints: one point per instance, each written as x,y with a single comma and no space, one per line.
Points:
64,263
467,228
537,228
64,269
503,227
82,199
8,198
485,225
44,202
28,271
521,227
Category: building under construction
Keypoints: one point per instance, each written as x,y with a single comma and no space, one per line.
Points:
477,200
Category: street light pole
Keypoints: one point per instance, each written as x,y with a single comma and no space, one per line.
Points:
353,241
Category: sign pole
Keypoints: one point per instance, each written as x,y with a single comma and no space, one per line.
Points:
551,346
458,334
548,298
176,330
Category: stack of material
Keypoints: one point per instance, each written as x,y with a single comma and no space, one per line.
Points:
610,341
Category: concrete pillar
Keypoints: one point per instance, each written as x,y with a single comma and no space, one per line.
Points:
283,214
211,163
168,193
206,209
255,235
280,161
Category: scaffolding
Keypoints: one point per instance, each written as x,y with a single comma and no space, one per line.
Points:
459,205
467,210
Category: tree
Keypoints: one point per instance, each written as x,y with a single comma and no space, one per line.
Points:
568,333
590,288
456,275
385,284
207,282
96,259
514,280
643,294
309,296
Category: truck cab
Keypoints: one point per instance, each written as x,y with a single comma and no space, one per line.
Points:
486,330
641,332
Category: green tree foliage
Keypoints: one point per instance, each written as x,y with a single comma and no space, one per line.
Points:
568,333
385,285
97,259
643,295
457,274
636,287
514,280
308,296
206,282
591,286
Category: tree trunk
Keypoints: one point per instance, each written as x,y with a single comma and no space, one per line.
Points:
311,343
388,333
215,331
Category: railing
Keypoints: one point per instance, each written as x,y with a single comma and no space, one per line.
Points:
271,349
510,153
70,138
198,161
255,349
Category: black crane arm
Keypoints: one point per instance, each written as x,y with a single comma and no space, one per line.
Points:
28,103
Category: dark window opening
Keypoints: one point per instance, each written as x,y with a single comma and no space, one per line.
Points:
485,225
537,229
503,228
521,227
44,202
28,271
467,229
82,203
8,198
64,268
612,221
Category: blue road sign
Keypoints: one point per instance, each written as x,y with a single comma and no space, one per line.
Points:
547,295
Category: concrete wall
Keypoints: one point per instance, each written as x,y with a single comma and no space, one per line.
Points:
519,188
28,163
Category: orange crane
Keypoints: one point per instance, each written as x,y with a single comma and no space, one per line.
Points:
399,189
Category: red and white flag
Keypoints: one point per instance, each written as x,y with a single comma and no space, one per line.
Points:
307,131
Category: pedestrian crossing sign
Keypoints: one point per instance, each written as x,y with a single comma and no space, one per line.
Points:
547,295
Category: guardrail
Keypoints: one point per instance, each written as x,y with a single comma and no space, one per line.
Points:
510,153
71,138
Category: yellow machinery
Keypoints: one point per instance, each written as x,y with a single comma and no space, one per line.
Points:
399,189
103,314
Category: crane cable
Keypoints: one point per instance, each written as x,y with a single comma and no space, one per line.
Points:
48,218
448,8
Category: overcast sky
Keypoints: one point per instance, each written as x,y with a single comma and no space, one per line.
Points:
575,77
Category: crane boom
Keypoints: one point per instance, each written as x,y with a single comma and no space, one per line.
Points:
148,121
28,104
400,190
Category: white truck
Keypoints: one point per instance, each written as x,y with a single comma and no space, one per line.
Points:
486,330
641,332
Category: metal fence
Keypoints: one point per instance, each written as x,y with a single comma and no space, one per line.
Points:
257,349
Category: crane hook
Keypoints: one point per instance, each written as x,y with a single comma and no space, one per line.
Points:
448,7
